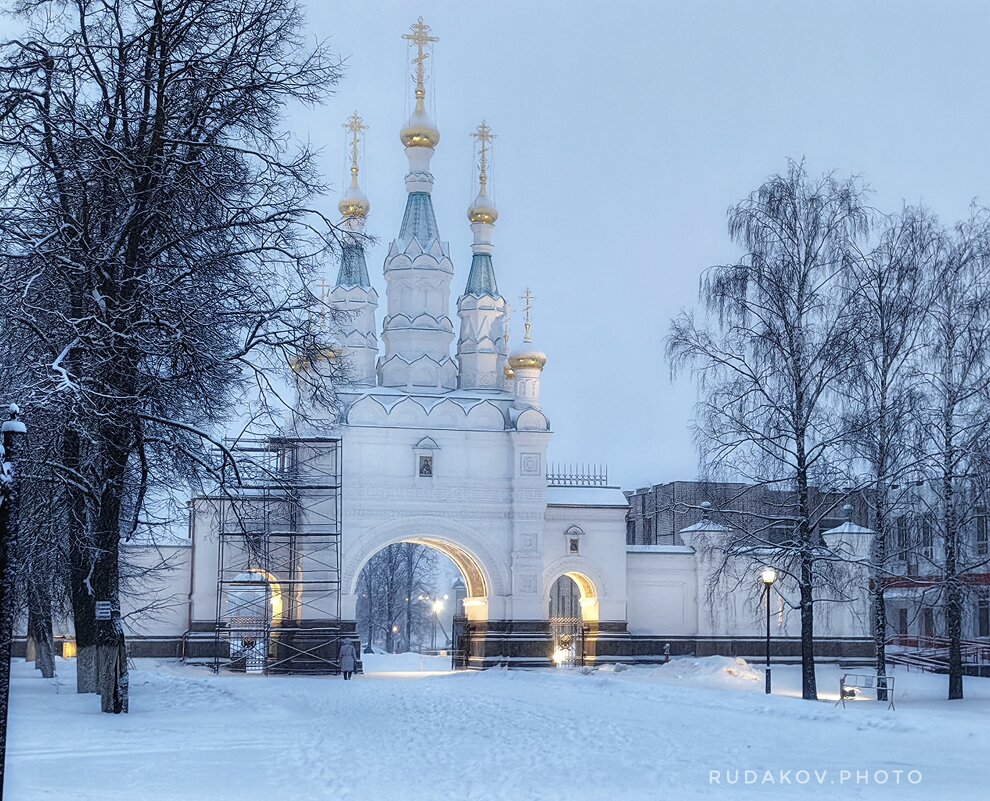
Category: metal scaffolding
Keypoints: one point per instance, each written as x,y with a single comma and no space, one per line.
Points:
278,574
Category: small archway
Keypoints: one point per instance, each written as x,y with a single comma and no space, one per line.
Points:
581,592
572,618
253,606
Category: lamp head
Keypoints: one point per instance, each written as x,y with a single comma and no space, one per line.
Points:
768,576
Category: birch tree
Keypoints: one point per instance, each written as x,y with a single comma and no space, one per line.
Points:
885,290
770,359
956,378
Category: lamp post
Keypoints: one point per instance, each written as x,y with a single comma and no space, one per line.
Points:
768,577
437,609
8,532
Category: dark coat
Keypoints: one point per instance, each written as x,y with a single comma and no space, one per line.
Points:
347,657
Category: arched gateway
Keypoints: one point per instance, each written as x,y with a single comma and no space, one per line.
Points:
485,576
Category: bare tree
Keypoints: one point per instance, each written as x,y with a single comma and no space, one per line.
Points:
884,289
157,239
391,611
769,366
956,378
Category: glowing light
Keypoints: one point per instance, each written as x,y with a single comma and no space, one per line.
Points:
69,649
560,656
768,576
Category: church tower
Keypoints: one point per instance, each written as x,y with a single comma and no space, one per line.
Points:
481,348
353,292
418,331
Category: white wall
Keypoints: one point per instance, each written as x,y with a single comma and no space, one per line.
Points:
156,603
663,590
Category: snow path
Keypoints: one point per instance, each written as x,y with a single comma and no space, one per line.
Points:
643,733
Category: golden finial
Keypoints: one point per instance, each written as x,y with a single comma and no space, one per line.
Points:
483,210
354,203
356,127
420,37
528,297
527,357
483,135
420,132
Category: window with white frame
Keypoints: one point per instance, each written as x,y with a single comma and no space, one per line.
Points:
982,533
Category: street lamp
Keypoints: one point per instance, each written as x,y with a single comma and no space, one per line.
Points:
768,576
437,609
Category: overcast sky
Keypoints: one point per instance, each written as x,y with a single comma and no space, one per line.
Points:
625,130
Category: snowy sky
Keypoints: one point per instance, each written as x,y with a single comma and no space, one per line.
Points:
625,130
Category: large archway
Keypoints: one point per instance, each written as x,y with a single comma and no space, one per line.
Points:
409,596
486,576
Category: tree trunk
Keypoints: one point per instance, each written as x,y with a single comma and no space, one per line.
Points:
953,619
111,654
809,685
879,599
953,601
40,634
80,556
30,650
111,671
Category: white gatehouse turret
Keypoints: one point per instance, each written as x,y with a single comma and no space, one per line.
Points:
481,347
353,293
418,330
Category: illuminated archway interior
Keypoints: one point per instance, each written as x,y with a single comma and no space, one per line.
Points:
588,595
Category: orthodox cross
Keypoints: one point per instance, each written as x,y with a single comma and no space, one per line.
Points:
356,126
505,325
420,37
528,297
324,289
483,136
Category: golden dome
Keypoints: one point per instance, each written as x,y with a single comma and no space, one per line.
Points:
482,212
307,361
419,136
420,130
354,205
527,359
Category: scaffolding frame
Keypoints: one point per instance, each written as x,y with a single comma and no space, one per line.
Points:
279,556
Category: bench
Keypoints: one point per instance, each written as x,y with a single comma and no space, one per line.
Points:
852,685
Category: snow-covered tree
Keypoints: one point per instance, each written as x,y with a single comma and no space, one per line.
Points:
885,290
158,235
954,416
391,611
771,359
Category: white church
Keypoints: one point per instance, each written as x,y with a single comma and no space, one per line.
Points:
442,440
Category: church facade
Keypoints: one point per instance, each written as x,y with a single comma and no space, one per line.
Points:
442,440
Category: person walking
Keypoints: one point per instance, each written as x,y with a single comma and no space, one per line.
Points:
347,659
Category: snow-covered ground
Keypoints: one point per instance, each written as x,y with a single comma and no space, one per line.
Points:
403,733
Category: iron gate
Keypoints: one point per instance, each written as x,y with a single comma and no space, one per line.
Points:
567,641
